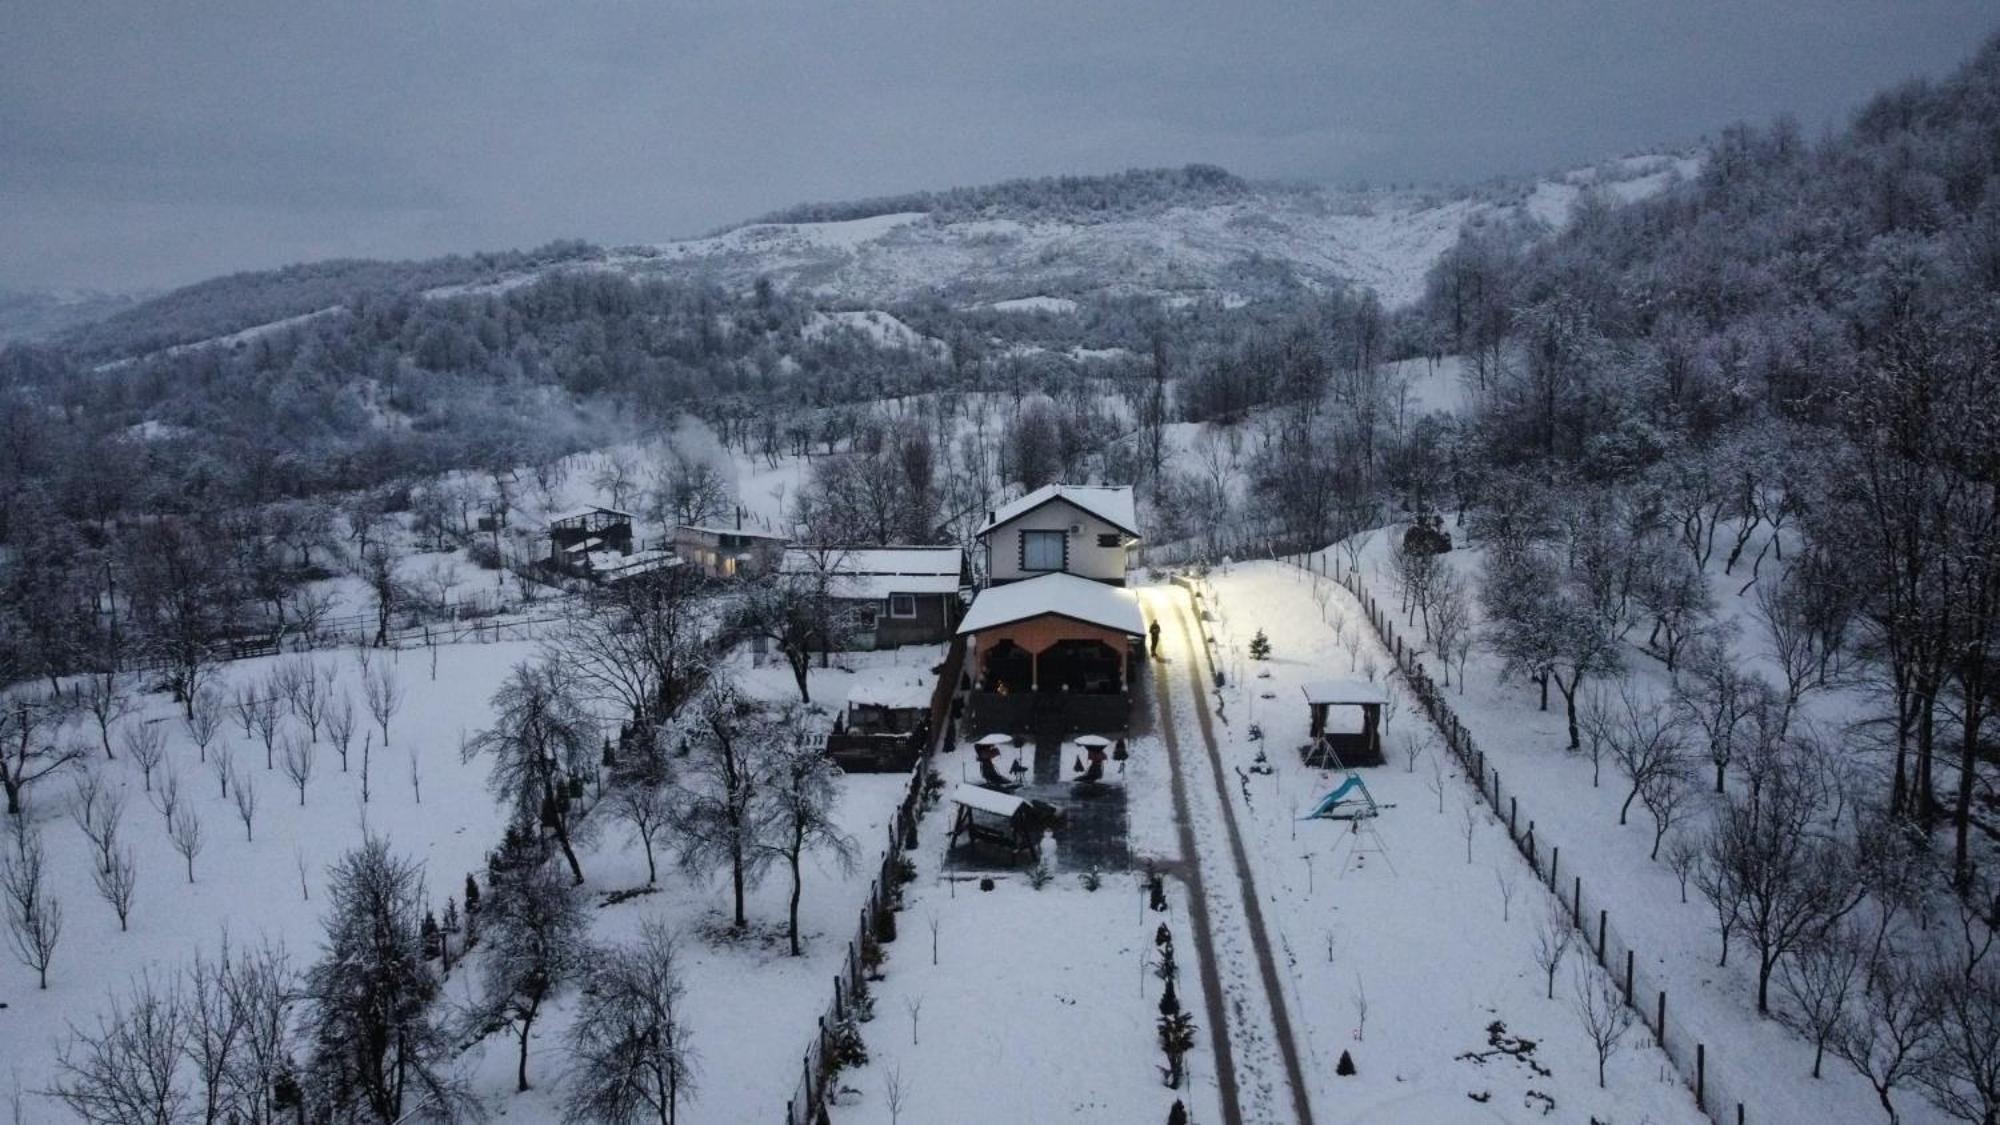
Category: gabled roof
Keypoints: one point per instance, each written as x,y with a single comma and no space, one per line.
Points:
897,688
877,572
585,513
1110,503
1064,595
1341,693
746,532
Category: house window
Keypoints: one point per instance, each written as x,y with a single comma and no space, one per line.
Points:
867,616
1042,550
902,605
1110,539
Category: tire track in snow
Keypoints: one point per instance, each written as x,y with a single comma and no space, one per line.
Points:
1261,1036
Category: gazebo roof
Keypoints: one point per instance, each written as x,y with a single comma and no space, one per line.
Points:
987,800
1344,693
1064,595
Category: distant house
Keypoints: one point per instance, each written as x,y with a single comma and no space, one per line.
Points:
587,537
729,552
1084,530
899,595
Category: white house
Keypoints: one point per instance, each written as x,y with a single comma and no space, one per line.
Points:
1085,530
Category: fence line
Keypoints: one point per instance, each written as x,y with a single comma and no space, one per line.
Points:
1642,991
878,913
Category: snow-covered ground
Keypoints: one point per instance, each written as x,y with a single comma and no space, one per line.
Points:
1751,1059
1395,917
1040,1007
750,1004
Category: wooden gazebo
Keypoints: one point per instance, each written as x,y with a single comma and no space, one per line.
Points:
1349,745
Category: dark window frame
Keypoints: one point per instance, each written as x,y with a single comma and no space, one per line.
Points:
908,599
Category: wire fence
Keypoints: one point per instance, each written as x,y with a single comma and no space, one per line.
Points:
817,1069
1717,1090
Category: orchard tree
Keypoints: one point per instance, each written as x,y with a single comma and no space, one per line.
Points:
535,937
541,739
800,791
630,1046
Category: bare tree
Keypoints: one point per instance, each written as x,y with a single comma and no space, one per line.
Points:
896,1089
340,725
1774,859
1683,858
1468,815
116,883
98,811
167,798
187,839
540,739
267,718
799,796
34,917
416,774
105,700
1888,1035
630,1044
643,808
146,743
1603,1013
1646,741
223,765
246,806
1818,979
534,936
126,1070
1435,783
717,815
299,760
28,749
1507,882
384,693
1669,797
204,719
1555,934
1961,1075
312,695
1717,696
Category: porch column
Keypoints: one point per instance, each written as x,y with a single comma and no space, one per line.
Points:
1034,670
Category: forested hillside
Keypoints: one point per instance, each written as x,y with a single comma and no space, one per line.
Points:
1805,338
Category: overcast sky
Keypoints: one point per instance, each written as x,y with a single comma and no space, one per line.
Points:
146,144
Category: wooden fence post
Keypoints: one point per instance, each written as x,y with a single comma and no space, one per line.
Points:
1555,864
1701,1077
1576,903
1603,919
1660,1019
1628,976
1513,814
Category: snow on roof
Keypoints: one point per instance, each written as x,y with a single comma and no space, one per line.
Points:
899,689
580,513
1113,607
1340,692
746,532
1110,503
880,571
987,800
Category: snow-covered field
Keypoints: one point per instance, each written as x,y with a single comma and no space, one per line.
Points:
750,1004
1751,1059
1396,917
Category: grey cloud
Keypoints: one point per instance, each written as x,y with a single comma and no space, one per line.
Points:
146,144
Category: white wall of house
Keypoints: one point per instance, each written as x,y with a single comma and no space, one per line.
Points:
1088,557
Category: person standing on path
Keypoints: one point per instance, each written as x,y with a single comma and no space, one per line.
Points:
1154,632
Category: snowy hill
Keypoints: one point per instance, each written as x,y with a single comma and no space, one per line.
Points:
1254,242
1051,246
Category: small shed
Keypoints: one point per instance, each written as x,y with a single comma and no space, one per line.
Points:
887,723
1350,739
